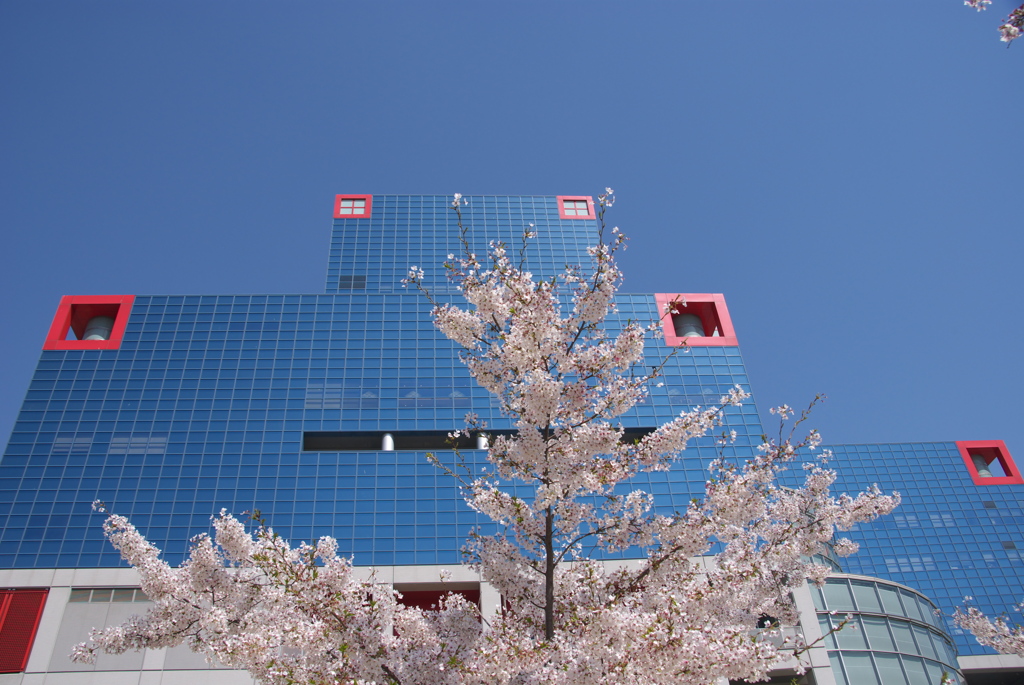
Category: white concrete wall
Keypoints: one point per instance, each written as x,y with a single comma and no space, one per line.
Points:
989,663
64,624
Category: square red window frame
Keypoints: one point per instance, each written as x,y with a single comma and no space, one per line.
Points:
711,309
74,313
561,206
990,450
366,210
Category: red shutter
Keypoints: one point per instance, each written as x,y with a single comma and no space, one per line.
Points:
19,617
429,599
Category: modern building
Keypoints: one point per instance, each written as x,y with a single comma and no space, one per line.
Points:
318,410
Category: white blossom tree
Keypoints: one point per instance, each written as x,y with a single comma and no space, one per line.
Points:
999,634
674,614
1012,26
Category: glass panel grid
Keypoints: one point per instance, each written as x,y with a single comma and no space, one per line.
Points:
205,404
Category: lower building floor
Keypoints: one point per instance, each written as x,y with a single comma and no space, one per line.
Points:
894,635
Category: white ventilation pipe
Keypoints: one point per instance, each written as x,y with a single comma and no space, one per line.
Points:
387,443
688,326
481,441
98,328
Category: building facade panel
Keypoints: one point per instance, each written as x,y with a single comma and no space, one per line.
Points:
949,538
318,410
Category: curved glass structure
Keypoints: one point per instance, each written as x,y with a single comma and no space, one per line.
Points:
893,635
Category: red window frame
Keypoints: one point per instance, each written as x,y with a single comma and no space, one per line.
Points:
20,611
575,198
75,311
990,450
366,208
711,309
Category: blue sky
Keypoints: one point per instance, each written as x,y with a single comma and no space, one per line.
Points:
848,174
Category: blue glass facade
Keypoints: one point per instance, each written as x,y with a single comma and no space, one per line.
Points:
405,230
206,402
205,405
949,538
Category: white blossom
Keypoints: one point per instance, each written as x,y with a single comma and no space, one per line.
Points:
999,634
1012,26
289,614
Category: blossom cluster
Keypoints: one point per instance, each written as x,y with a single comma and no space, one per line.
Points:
675,614
998,634
541,347
1012,26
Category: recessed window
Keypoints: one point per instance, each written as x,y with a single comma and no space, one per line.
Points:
575,207
430,599
108,594
137,444
403,441
412,440
989,462
352,206
696,319
351,282
89,322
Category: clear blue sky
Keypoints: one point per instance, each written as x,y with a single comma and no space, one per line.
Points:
848,174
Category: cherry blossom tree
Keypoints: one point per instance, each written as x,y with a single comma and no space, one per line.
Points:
998,634
684,608
1012,26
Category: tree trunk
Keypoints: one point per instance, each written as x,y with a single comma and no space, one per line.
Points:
549,575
